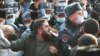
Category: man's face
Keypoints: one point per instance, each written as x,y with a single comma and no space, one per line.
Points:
60,15
46,31
48,11
27,22
46,27
76,14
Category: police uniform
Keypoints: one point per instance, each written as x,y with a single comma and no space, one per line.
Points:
66,35
60,24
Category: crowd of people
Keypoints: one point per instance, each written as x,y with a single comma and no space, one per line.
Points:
49,27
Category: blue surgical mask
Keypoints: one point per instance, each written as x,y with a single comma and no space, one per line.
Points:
27,25
42,14
10,21
60,20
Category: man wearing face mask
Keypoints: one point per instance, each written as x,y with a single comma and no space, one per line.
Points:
10,19
60,18
74,19
45,11
27,19
27,22
86,10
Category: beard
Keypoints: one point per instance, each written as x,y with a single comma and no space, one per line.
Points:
46,36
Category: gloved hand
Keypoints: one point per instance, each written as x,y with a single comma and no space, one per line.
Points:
4,43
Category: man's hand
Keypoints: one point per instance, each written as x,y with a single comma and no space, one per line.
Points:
53,50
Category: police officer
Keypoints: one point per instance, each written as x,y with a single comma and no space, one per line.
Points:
60,18
45,11
74,19
34,8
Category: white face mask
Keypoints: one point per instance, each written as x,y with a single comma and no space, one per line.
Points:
47,17
80,20
17,14
85,14
27,25
61,20
62,4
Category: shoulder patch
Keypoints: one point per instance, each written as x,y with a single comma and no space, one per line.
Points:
64,38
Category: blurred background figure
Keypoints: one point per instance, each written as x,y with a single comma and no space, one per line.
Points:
85,41
24,5
12,7
2,4
45,11
34,8
4,43
10,20
96,14
2,17
62,2
9,35
87,8
26,20
88,51
90,26
9,32
60,18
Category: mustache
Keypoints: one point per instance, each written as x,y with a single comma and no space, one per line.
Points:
56,34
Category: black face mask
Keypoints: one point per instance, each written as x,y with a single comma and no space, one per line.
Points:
46,36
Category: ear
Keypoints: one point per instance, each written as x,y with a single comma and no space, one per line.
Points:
98,32
40,30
